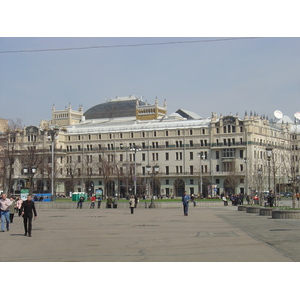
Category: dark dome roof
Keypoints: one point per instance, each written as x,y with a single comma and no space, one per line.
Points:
116,108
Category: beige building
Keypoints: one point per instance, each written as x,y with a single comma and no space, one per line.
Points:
126,145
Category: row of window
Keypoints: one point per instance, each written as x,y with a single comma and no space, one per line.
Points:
179,132
155,156
178,144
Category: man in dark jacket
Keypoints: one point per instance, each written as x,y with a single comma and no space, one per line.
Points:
271,198
27,209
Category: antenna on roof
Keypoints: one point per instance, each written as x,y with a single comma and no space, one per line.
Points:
297,115
278,114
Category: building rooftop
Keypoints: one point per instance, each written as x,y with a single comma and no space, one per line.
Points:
115,108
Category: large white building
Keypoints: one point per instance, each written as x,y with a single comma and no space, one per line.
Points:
126,145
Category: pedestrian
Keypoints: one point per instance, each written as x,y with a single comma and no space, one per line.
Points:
242,197
109,202
136,201
79,204
132,204
12,209
225,200
19,205
99,201
248,199
115,202
185,202
93,200
4,206
27,209
193,199
255,199
270,198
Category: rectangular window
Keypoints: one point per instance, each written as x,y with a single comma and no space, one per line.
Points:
167,155
167,170
241,153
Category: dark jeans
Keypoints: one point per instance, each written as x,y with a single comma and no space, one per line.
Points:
186,209
132,210
27,221
11,217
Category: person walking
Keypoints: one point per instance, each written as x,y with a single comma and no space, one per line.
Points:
12,209
99,201
185,202
4,206
271,198
19,205
132,204
136,201
193,199
27,209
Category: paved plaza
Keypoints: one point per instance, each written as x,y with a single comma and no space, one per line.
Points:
207,234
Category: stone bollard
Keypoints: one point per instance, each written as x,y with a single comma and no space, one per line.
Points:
252,209
286,214
242,207
266,211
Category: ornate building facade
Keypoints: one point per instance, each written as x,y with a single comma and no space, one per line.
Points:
126,145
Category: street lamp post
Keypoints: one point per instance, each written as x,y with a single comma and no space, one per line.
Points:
246,177
135,149
259,173
52,135
201,156
154,172
269,156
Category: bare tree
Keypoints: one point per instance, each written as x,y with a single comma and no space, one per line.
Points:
9,151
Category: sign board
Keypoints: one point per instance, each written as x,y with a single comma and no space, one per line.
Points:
99,194
24,193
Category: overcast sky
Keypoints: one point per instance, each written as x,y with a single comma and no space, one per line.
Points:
229,76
